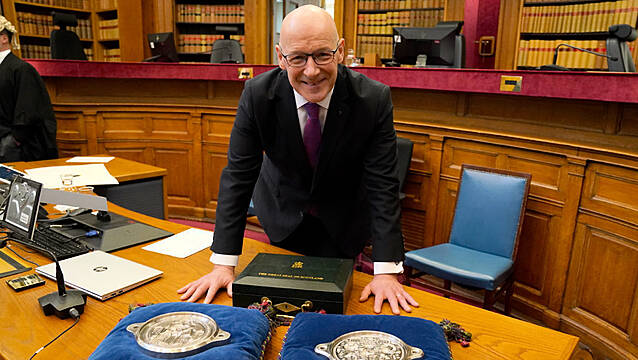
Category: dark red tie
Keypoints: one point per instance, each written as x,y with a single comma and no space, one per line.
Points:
312,133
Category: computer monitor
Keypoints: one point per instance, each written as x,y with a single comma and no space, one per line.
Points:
443,45
620,59
162,47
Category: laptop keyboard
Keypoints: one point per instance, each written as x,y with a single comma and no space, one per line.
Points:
61,246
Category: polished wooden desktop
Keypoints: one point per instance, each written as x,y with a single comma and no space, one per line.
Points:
129,174
25,328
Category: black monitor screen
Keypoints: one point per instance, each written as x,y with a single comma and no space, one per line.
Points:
437,43
162,47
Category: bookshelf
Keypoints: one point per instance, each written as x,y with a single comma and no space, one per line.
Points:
376,18
100,26
108,30
198,23
34,23
545,24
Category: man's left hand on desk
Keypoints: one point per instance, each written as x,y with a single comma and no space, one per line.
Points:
387,287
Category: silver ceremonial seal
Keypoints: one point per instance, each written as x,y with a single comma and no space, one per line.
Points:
178,334
368,345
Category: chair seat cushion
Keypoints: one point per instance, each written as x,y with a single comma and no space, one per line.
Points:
461,265
249,331
310,329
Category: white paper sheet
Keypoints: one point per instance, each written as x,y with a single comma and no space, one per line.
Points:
90,159
183,244
83,175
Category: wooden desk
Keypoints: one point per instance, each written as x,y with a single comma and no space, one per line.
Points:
25,328
138,184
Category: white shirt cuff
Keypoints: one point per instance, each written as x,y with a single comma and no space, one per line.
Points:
221,259
388,267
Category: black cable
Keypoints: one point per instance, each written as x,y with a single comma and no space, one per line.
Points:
75,315
21,257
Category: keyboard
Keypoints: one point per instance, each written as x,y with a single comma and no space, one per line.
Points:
61,246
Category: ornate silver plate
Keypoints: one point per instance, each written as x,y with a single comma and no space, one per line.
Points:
368,345
178,334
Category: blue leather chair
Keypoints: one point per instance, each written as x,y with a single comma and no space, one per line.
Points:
481,251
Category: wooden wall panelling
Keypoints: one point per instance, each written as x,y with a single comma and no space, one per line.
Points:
349,30
183,194
162,137
455,10
508,34
132,39
339,15
416,189
257,25
600,297
131,91
612,191
628,119
216,128
214,161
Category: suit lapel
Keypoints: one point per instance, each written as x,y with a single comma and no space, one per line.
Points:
289,124
336,119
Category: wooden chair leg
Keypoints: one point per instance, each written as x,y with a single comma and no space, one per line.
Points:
488,300
508,297
407,271
447,285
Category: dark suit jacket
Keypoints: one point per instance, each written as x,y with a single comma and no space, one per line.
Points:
26,112
355,188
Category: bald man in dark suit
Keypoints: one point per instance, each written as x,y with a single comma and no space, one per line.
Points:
314,144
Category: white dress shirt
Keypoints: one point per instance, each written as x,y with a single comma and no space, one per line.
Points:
379,267
3,54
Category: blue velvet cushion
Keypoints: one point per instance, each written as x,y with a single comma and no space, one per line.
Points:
310,329
248,330
461,265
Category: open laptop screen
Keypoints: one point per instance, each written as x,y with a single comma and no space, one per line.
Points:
21,211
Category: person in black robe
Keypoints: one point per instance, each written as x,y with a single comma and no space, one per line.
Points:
27,122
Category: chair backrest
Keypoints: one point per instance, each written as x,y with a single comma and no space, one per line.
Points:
404,154
226,51
66,44
490,206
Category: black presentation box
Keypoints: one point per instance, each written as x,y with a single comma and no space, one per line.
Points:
326,282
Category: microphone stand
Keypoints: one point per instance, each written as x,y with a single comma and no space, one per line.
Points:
61,302
554,67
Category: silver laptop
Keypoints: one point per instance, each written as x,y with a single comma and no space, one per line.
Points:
101,275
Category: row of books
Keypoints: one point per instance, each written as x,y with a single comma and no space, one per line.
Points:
384,22
199,43
381,45
556,1
579,18
37,24
111,55
400,4
76,4
108,29
106,4
210,13
44,52
534,53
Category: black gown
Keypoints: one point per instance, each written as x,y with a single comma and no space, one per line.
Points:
25,113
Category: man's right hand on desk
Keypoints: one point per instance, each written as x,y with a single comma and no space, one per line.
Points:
222,276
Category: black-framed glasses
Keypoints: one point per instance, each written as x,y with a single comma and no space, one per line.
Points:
320,57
